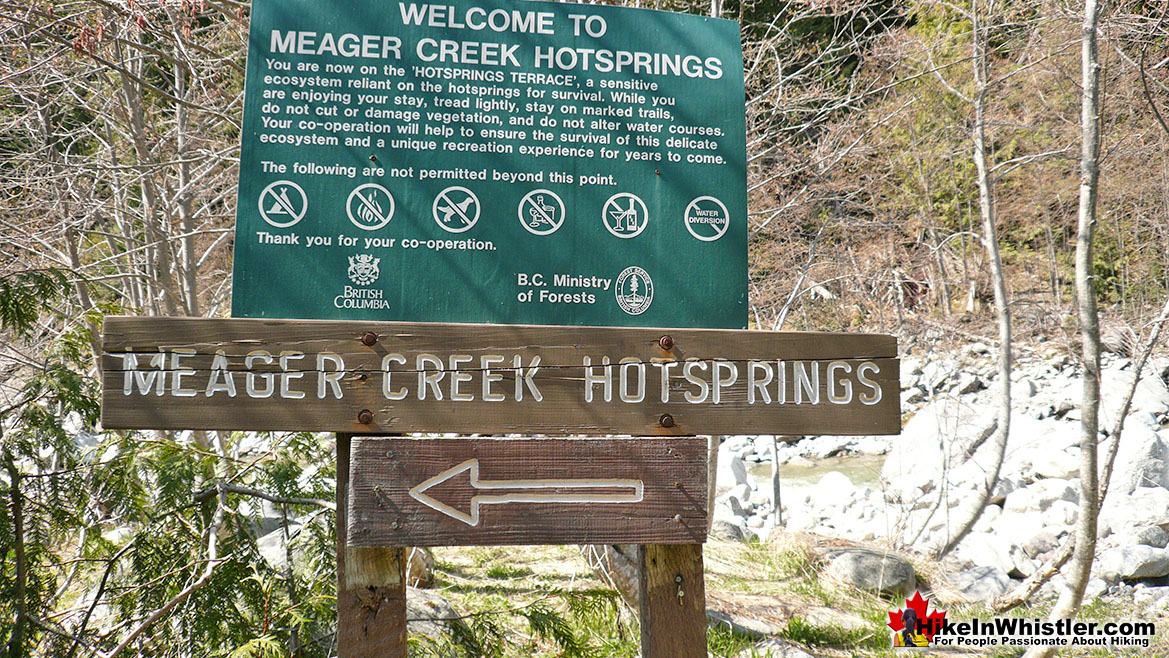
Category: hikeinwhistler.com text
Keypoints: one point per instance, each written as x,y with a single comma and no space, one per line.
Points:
1017,632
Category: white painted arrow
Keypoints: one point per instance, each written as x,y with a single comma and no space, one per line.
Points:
524,491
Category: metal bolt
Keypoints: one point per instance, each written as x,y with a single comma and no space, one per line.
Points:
394,525
678,519
666,342
678,579
666,420
365,416
389,454
657,172
372,158
369,339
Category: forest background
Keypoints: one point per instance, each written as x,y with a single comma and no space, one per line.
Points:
119,137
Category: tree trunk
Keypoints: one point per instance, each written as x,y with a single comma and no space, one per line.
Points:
1072,596
16,639
1002,309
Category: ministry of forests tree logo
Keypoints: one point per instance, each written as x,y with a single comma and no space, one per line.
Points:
634,290
363,269
915,625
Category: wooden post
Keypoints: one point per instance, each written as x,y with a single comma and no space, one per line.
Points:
673,601
371,586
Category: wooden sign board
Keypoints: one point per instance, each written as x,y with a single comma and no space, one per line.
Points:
390,377
458,492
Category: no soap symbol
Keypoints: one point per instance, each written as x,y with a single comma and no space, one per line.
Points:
281,209
541,212
456,209
370,206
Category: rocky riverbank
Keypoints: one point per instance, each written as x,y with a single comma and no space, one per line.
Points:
934,471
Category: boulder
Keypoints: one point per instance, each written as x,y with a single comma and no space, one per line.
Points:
936,374
732,470
977,349
732,507
833,492
740,492
969,383
1062,464
1040,496
723,529
1141,461
1145,596
981,583
984,549
934,440
1096,588
1146,506
1022,566
871,571
912,396
824,447
1151,395
428,613
1039,543
1024,388
1062,513
1135,562
1152,535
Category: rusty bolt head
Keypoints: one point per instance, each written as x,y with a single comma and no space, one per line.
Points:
372,158
365,416
666,420
666,342
657,172
369,339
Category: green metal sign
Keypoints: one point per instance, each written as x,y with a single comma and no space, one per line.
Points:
492,161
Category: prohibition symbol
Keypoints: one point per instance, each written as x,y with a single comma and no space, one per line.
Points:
625,215
456,209
541,212
707,218
280,209
370,206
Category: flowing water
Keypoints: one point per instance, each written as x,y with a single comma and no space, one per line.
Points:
862,470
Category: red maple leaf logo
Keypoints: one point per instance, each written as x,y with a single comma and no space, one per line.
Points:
931,622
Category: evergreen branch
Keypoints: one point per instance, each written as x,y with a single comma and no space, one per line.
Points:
223,487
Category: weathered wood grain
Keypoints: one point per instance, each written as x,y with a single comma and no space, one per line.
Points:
325,359
673,602
672,506
371,585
